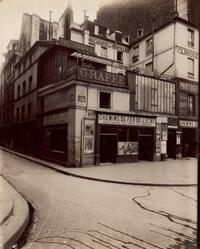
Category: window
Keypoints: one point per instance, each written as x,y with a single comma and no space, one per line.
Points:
23,112
17,114
58,139
18,91
29,110
149,46
191,104
139,33
190,68
135,54
30,83
149,66
190,38
105,100
120,56
104,52
24,87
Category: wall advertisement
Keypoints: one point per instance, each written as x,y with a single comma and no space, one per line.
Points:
127,148
88,136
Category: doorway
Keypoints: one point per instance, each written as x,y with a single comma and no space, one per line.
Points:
146,147
108,148
171,144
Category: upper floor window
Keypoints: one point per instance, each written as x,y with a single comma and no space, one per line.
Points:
135,54
104,52
105,100
30,82
17,114
23,112
24,87
190,38
29,110
139,33
149,46
149,66
120,56
18,91
190,68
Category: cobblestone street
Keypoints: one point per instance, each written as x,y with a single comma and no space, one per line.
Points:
78,213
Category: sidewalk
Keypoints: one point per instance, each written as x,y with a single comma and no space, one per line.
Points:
181,172
14,215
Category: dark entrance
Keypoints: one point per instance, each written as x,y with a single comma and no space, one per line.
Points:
108,148
171,144
188,142
146,147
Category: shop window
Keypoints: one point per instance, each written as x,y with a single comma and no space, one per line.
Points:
24,87
149,47
190,68
30,82
105,100
58,140
120,56
191,104
190,38
18,91
104,52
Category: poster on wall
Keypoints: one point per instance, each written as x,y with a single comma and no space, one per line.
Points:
158,138
88,136
127,148
164,132
88,145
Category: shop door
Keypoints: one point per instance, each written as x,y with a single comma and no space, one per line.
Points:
171,144
188,143
146,147
108,148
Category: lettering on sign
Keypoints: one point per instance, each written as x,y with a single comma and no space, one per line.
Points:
187,52
125,120
188,123
58,118
101,76
106,44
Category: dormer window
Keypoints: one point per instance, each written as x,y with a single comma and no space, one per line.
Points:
139,33
96,30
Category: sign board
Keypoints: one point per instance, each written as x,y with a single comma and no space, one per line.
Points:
54,119
188,123
114,119
107,44
101,76
187,52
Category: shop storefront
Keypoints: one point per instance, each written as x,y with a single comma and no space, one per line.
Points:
54,137
124,138
189,138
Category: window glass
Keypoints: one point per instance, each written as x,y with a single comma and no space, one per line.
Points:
120,56
105,100
149,46
190,38
190,68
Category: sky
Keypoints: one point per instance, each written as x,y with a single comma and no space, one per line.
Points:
11,12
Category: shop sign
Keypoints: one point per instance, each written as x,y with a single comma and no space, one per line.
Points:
100,76
105,44
76,46
113,119
81,98
188,87
188,123
88,137
172,122
127,148
58,118
187,52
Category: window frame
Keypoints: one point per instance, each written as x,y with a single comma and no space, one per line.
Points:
103,106
190,35
190,74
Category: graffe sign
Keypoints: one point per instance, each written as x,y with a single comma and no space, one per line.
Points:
101,76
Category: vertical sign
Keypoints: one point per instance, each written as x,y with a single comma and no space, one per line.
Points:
158,138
